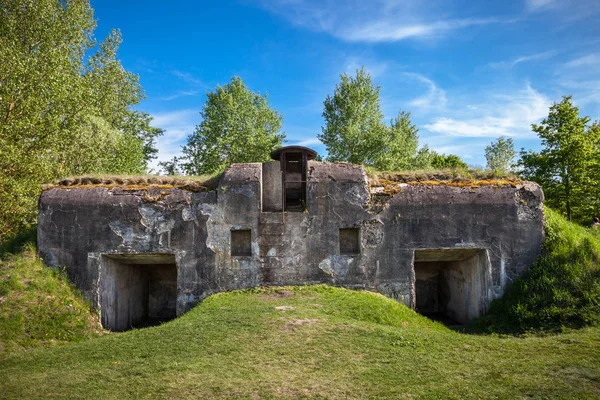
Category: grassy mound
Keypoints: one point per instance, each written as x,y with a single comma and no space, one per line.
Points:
306,342
561,290
38,307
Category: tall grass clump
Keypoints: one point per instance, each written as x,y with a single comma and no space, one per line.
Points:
38,305
561,289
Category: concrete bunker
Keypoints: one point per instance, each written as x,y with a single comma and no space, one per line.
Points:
137,290
117,239
451,285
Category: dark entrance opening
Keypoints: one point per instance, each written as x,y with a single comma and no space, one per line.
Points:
137,290
451,285
293,161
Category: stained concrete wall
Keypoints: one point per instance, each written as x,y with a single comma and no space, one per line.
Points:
77,226
272,187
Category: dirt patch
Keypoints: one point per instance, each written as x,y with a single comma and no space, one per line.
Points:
285,308
281,294
298,322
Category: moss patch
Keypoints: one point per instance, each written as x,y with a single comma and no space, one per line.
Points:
136,183
390,183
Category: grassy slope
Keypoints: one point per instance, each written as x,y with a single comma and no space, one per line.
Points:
331,343
562,288
38,307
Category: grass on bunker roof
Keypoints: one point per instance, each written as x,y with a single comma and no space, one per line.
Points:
311,342
139,182
445,176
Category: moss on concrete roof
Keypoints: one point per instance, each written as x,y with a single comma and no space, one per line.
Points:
390,182
138,182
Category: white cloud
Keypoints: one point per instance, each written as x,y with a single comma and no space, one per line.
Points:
539,5
584,61
374,68
305,142
533,57
501,115
566,10
189,78
391,31
181,93
435,97
177,125
375,20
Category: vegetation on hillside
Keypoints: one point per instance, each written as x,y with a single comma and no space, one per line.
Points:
561,289
38,305
306,342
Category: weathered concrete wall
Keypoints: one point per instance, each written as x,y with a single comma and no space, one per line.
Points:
272,187
77,226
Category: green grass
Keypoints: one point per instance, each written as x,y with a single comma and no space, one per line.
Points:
311,342
38,306
561,290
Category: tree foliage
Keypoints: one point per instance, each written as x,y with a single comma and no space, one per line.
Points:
500,155
568,166
65,104
398,145
354,130
237,126
447,161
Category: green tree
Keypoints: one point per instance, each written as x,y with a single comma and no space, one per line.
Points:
500,155
568,166
237,126
354,131
447,161
399,145
65,104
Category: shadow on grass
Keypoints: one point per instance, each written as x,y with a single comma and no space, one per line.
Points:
14,244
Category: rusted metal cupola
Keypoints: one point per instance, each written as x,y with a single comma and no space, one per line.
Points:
293,161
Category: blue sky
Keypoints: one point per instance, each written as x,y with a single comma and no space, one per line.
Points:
467,71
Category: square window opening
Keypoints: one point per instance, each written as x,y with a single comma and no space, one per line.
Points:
241,242
349,241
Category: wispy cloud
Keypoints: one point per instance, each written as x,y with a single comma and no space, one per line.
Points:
376,20
587,60
567,10
305,142
435,98
189,78
181,93
390,31
532,57
178,125
502,115
375,68
539,5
